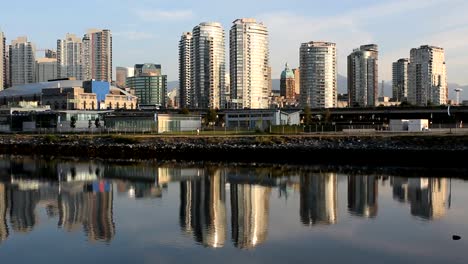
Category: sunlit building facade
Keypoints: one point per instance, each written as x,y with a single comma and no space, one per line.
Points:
208,66
249,64
427,76
318,74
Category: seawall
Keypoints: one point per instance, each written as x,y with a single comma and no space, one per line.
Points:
438,151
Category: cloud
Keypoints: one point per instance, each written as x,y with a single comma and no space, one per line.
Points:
161,15
134,35
348,30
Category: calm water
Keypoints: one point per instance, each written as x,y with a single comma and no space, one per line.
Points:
95,212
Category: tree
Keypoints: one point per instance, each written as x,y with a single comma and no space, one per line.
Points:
97,123
184,111
211,116
73,122
307,115
327,116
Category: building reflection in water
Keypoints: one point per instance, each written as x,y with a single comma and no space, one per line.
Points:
91,207
68,191
3,213
318,199
250,205
203,208
428,197
363,195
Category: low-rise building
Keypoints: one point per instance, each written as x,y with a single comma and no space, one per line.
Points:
260,118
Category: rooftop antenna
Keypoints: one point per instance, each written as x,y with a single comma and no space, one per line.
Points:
458,90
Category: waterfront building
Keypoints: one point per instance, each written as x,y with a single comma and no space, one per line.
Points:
363,79
208,66
46,69
287,84
362,195
318,199
121,75
427,76
149,84
318,74
70,57
185,70
22,61
97,55
249,64
261,119
400,80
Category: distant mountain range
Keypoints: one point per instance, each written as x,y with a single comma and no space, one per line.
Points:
343,87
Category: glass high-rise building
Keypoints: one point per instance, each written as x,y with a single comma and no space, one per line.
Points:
150,86
427,76
22,61
249,64
363,79
208,66
400,80
70,57
185,70
318,74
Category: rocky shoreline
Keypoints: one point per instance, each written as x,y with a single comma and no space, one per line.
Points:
438,151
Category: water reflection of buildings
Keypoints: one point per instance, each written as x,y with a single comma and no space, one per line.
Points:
92,207
250,205
427,196
67,190
318,199
203,208
363,195
3,212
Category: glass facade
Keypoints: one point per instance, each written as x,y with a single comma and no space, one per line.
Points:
400,80
363,76
150,90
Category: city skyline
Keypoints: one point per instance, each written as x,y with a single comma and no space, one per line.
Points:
155,28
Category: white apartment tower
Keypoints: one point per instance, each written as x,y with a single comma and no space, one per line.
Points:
427,76
185,70
249,64
318,74
400,80
97,55
70,57
22,61
363,79
208,66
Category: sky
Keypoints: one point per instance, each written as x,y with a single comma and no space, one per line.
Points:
149,30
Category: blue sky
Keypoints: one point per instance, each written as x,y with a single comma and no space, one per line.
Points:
148,31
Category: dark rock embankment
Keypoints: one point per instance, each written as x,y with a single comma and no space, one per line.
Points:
402,150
